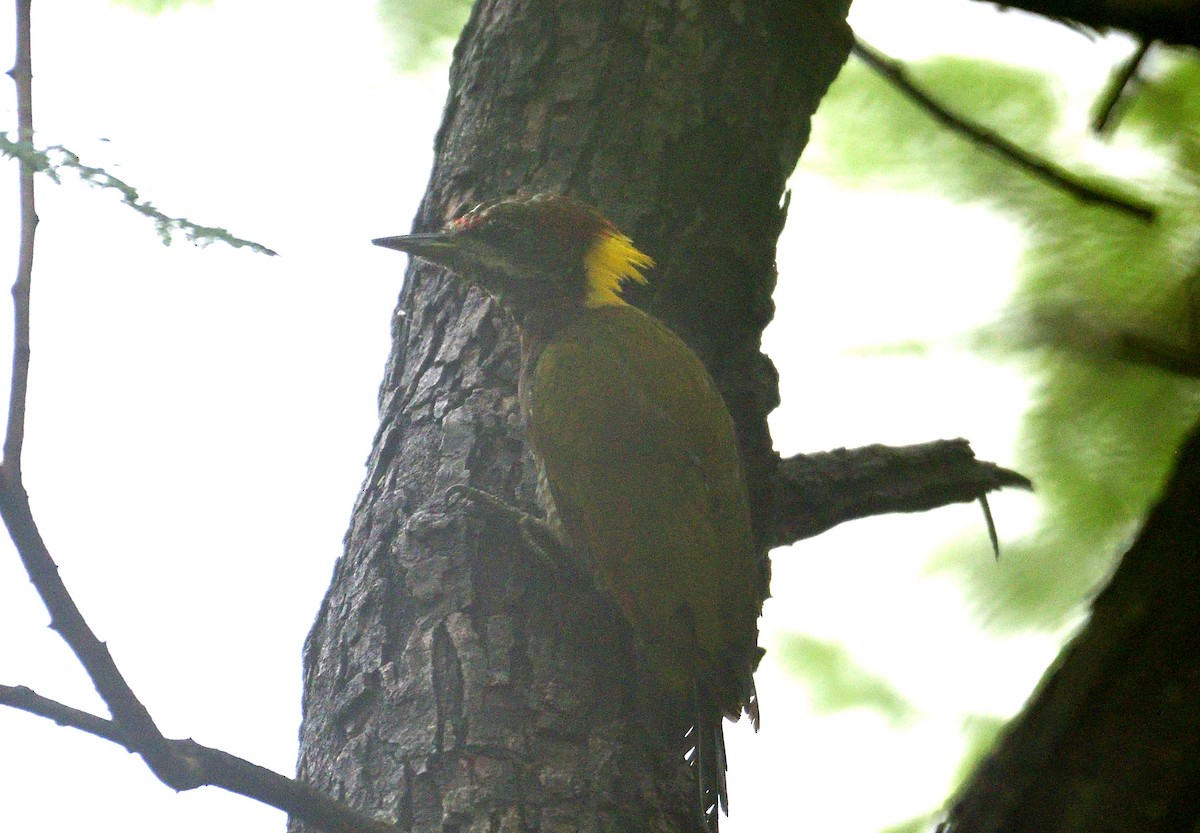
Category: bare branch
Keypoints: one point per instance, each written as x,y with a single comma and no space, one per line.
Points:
820,491
896,75
1087,331
178,764
136,724
1151,352
65,617
213,768
27,700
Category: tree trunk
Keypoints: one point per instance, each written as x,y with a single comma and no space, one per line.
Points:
452,682
1110,742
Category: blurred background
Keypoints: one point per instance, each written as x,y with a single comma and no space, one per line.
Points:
199,416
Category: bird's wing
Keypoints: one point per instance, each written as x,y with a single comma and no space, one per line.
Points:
641,459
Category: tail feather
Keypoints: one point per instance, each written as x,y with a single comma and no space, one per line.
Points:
707,738
706,750
722,766
751,706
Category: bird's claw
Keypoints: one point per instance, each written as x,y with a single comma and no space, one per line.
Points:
539,538
461,493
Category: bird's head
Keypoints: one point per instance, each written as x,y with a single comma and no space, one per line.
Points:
528,251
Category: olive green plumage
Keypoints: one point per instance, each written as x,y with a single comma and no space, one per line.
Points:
636,446
639,453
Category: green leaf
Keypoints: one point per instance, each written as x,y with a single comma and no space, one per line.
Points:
159,6
422,31
920,824
1101,429
870,134
981,733
836,682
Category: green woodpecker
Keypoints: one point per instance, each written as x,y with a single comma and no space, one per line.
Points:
636,446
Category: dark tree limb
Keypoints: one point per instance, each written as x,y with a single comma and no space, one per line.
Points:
820,491
1110,741
1171,21
212,767
1054,175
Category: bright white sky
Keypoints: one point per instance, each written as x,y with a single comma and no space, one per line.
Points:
199,418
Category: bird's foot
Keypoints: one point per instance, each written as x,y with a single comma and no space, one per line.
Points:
541,540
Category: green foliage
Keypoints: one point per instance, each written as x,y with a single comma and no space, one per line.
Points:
1104,424
869,134
52,160
421,29
1101,432
159,6
835,681
920,824
1167,113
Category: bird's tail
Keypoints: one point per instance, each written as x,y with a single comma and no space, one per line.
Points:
707,759
706,740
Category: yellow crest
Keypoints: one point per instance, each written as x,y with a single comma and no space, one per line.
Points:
609,263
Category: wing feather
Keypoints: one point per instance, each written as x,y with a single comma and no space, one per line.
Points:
641,459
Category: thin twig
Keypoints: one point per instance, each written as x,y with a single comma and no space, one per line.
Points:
1153,352
1119,88
1048,172
214,767
65,617
22,75
27,700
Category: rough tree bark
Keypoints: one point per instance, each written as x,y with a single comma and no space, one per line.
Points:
451,683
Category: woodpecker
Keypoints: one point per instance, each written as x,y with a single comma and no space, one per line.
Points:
636,447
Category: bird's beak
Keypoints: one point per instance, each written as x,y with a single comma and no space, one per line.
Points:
436,246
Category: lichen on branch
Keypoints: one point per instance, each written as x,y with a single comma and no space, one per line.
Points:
54,159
